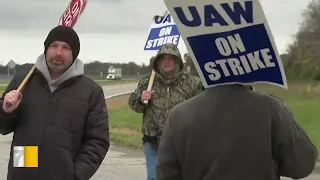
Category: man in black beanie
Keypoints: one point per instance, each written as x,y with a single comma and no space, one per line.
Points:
61,48
60,111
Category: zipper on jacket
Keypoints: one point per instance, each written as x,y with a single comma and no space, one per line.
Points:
51,97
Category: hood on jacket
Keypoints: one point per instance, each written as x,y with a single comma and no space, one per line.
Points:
169,49
76,69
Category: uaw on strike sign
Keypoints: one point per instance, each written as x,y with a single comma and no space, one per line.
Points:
163,30
73,12
229,41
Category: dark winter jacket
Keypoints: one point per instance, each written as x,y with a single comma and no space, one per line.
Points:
66,119
233,133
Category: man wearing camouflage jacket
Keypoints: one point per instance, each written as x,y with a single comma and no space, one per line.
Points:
171,86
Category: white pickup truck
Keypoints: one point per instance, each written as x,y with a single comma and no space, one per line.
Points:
114,73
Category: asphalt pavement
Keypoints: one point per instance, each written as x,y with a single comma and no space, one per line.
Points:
118,165
118,89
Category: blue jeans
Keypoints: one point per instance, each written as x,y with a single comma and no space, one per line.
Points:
151,160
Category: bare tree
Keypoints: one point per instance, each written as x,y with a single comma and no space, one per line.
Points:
304,51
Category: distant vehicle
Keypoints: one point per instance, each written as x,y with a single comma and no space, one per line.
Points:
114,73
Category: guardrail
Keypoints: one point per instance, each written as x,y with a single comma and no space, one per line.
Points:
116,95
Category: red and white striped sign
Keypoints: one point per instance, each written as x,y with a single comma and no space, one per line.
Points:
73,12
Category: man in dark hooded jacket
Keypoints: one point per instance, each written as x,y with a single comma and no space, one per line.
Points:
231,132
171,86
60,111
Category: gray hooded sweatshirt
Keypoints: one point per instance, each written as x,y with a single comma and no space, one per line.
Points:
76,69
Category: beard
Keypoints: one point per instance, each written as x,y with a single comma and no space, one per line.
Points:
57,64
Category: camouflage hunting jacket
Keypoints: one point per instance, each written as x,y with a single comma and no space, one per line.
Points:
165,97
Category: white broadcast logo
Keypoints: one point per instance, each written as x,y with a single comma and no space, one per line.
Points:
18,156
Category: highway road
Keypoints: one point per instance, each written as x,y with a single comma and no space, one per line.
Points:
117,89
118,165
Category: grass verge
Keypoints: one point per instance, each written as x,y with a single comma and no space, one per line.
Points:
4,82
2,89
125,125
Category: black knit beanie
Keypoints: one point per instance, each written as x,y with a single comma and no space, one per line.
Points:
65,34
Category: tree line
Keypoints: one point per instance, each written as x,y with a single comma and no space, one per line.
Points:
94,68
302,58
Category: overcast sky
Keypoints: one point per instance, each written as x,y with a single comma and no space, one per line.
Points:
111,30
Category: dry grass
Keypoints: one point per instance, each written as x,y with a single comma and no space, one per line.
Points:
117,102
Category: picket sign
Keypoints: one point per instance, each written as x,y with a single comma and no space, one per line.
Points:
73,12
230,42
68,18
162,30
